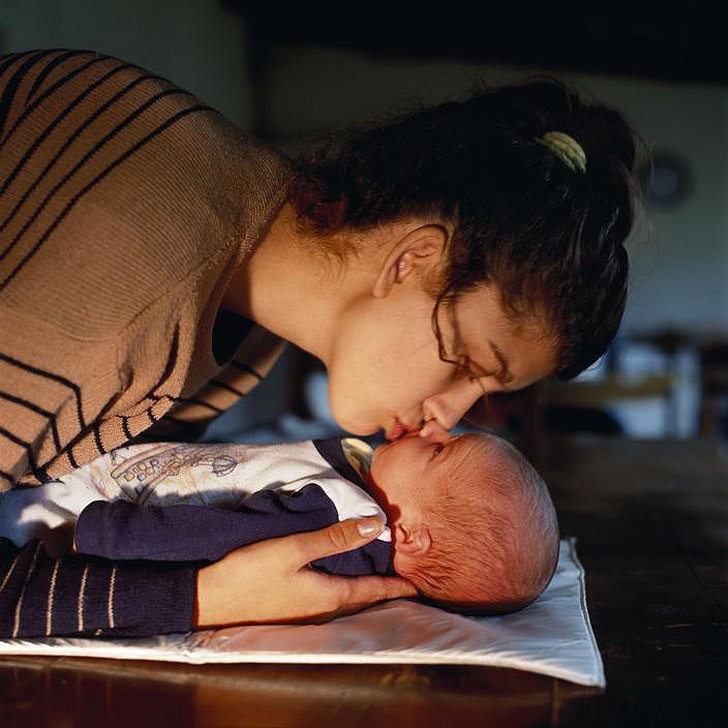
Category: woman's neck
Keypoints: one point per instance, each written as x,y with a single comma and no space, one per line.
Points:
292,288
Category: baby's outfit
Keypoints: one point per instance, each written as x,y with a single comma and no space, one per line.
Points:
187,502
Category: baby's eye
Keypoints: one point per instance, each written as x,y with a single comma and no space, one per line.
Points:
439,447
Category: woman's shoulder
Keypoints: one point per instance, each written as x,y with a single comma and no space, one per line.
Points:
123,186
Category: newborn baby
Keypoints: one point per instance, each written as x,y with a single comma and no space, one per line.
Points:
470,522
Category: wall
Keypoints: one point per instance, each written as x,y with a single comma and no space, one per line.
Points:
680,256
681,267
194,43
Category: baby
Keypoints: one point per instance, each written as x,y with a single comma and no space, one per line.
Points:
470,522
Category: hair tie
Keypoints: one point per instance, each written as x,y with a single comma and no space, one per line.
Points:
566,148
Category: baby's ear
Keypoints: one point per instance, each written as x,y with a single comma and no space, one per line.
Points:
412,540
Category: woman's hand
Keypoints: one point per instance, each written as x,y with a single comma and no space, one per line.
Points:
271,582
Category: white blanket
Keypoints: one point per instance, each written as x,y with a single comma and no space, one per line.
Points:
552,636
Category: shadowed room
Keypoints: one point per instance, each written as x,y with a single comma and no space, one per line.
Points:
634,450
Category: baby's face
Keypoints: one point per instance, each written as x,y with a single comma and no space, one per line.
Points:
414,469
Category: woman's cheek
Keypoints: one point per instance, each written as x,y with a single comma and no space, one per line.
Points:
350,411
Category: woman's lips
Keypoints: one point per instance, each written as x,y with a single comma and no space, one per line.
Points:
396,431
399,430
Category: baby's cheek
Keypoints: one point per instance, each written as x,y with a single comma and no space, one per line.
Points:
405,567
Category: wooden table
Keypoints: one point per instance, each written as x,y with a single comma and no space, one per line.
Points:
651,519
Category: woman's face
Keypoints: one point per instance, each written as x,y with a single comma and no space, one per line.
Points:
385,371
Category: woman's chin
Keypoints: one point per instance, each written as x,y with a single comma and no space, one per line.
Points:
357,428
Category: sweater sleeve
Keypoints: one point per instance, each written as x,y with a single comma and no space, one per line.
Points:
86,596
123,530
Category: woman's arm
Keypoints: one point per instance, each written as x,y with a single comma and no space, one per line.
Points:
265,582
42,596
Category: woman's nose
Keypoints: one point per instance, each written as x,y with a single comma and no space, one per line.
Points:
448,407
434,432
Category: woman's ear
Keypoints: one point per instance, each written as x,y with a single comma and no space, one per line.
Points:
418,252
412,540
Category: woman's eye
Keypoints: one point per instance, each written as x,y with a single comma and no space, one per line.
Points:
466,368
438,449
471,374
475,373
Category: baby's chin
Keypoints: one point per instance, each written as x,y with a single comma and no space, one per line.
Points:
392,512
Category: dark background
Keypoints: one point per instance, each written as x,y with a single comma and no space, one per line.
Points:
672,40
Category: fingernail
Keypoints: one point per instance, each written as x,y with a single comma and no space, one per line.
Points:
426,430
370,527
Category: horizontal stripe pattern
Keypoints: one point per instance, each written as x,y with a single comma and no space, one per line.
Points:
85,101
43,596
123,202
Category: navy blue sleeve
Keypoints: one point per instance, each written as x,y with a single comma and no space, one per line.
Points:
122,530
374,557
41,596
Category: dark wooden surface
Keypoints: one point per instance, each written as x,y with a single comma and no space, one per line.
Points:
651,522
651,519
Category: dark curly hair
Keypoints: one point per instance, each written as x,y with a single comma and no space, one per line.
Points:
551,238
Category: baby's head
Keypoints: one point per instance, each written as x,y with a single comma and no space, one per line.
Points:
473,525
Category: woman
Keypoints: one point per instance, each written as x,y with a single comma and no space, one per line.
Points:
154,258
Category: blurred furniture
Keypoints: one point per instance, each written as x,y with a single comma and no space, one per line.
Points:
584,406
714,389
712,352
651,523
528,417
603,392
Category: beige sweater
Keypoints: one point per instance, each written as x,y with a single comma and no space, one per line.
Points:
125,206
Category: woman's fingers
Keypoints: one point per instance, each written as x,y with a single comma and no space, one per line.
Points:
362,591
335,539
271,582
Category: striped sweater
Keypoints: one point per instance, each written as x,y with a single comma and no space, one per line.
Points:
126,204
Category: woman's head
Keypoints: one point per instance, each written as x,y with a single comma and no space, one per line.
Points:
385,369
547,236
